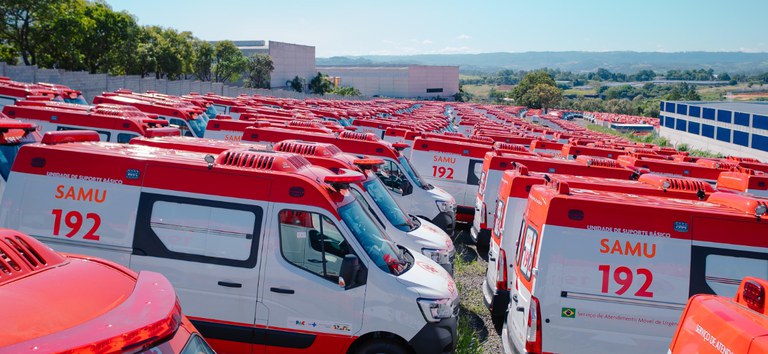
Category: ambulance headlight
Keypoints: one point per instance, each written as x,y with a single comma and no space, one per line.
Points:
440,256
435,310
444,206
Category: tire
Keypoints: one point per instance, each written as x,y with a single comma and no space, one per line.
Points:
381,346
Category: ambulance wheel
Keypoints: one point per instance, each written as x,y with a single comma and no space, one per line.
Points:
381,346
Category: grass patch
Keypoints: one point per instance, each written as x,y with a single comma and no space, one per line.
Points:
653,139
467,341
579,93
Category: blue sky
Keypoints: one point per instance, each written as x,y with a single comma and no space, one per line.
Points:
402,27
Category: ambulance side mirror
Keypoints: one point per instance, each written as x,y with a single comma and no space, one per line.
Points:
350,266
406,187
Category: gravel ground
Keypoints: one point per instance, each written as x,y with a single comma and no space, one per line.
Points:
469,274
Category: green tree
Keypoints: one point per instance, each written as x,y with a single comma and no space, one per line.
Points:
320,84
20,24
202,60
110,38
523,93
8,54
297,84
258,70
346,91
544,96
229,62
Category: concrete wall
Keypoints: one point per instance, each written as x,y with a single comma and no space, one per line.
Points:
422,78
399,81
93,85
705,143
291,60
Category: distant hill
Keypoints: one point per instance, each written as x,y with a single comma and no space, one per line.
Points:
626,62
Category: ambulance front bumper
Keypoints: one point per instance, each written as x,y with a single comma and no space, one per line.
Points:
446,221
436,338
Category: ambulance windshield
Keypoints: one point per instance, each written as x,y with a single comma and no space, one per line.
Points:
8,152
388,206
198,126
384,253
414,176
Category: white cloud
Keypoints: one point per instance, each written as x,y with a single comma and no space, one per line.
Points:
464,37
426,41
455,50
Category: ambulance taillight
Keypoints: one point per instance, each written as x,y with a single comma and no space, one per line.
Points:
754,295
501,271
533,333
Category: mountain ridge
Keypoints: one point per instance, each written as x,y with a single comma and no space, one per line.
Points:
576,61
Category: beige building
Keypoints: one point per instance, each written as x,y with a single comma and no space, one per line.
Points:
290,60
412,81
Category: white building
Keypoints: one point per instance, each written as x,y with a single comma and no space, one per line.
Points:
729,128
412,81
290,60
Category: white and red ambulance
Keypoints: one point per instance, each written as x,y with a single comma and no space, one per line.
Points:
674,168
403,182
513,198
68,303
496,162
453,165
266,251
14,91
114,123
573,150
407,230
713,324
188,118
604,272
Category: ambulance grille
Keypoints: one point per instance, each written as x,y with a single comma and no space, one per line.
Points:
261,160
482,139
644,151
116,110
18,257
453,134
601,162
357,136
307,148
302,123
510,147
680,184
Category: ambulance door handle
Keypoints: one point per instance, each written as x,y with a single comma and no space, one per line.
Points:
492,259
514,298
520,309
281,290
230,285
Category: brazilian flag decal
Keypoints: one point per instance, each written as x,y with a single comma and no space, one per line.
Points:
568,312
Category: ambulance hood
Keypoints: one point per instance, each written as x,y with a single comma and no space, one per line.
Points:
427,235
429,279
438,193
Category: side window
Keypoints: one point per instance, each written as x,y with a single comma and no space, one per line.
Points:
124,138
391,176
528,252
312,242
196,345
719,271
182,125
103,135
197,230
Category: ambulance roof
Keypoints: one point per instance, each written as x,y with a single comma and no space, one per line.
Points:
723,218
236,173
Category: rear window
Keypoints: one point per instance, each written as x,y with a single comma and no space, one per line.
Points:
527,251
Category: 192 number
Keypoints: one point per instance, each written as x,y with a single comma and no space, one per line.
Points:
624,277
442,172
73,220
